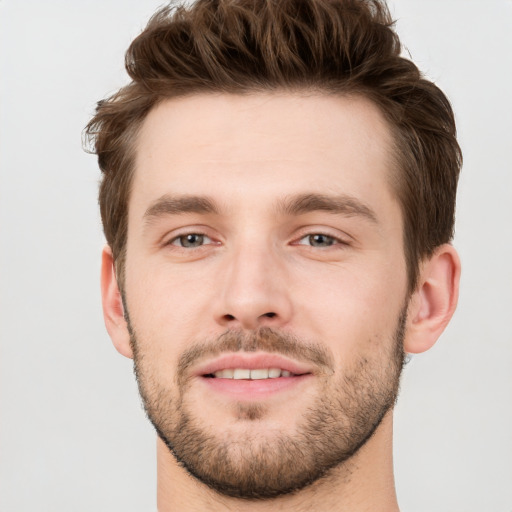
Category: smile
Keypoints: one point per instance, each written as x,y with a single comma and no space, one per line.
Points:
252,366
248,376
251,374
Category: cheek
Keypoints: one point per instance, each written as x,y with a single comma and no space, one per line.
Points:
351,309
167,308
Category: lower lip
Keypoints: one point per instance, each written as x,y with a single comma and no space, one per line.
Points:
245,389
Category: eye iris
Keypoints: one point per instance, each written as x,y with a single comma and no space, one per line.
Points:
320,240
192,240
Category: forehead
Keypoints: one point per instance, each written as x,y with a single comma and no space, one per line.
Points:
262,146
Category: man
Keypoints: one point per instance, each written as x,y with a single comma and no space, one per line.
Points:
278,201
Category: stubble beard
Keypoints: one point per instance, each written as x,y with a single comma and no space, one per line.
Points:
348,409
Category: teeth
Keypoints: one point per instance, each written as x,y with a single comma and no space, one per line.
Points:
259,374
242,374
274,372
256,374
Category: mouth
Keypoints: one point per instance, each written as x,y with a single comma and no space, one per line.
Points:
253,376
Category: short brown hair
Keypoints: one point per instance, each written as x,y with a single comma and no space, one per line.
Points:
329,46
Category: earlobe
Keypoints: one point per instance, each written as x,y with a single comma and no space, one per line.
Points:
434,301
113,311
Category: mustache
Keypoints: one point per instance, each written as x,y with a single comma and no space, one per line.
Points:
265,339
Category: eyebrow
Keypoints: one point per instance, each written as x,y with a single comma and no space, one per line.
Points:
176,205
338,204
294,205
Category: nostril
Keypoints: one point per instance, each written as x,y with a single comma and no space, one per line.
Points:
232,318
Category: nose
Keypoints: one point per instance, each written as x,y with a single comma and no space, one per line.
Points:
253,290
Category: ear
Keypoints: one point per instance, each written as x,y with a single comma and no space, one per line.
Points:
113,310
433,303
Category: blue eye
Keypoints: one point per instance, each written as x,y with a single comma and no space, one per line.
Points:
318,240
191,240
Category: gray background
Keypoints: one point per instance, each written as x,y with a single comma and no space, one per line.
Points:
73,436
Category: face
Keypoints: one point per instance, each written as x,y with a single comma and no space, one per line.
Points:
265,284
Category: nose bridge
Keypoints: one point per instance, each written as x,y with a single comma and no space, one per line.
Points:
253,287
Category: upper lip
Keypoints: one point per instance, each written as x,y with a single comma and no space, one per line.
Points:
252,361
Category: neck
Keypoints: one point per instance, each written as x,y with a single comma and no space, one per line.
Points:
364,483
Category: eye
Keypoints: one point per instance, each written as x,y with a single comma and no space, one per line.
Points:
319,240
191,240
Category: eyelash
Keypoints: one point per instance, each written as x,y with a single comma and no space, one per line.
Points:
333,240
183,236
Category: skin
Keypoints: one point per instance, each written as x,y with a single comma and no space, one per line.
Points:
257,268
